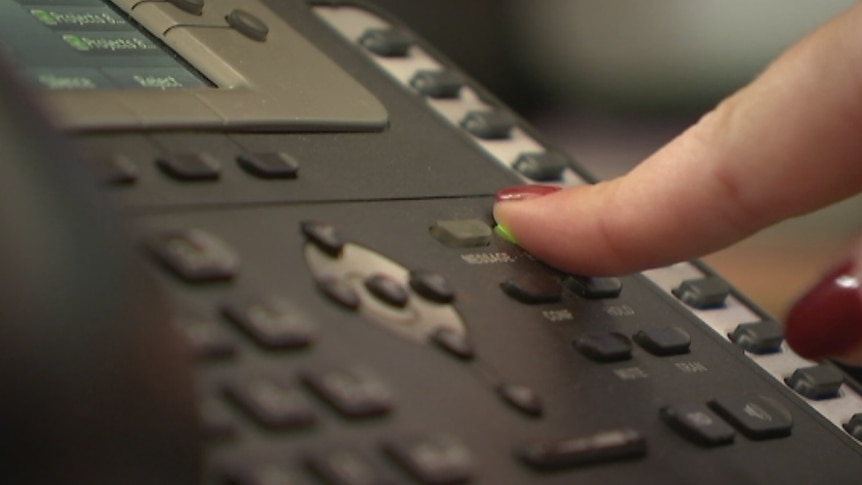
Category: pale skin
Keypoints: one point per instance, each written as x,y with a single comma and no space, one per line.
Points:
785,145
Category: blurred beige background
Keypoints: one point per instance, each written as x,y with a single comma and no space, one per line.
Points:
610,81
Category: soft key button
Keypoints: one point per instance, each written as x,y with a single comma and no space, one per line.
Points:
273,165
195,7
247,25
115,170
190,167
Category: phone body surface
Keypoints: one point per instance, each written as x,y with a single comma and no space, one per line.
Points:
312,184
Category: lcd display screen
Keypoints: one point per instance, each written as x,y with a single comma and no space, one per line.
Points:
88,44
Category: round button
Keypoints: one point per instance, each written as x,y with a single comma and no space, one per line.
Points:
247,24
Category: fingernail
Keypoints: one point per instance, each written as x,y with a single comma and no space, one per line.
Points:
827,321
525,192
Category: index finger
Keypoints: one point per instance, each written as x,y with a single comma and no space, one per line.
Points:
787,144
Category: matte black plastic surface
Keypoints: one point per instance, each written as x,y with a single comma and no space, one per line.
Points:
303,374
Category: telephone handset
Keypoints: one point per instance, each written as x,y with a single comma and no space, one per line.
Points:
96,387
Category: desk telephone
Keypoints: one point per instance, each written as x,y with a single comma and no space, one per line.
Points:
257,249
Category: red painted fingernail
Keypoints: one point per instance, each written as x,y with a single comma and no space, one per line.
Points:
827,321
525,192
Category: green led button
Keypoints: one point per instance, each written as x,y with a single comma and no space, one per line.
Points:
504,233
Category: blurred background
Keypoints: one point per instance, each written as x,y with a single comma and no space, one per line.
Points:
610,81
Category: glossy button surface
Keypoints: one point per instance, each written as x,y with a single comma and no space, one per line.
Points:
816,382
437,84
605,346
190,167
663,340
433,460
703,293
533,288
270,165
758,337
387,290
272,403
272,322
462,233
247,24
756,416
698,423
386,42
355,392
325,236
194,255
603,446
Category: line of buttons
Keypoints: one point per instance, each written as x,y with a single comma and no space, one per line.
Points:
711,300
494,130
450,336
192,167
395,52
755,416
157,15
436,459
276,403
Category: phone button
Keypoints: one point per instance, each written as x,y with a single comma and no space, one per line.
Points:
757,417
194,255
763,337
273,404
346,467
604,446
816,382
534,288
190,167
354,393
605,346
697,423
434,460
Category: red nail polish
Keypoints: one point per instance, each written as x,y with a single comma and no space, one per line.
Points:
525,192
827,321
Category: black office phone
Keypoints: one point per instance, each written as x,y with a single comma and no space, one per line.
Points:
250,242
